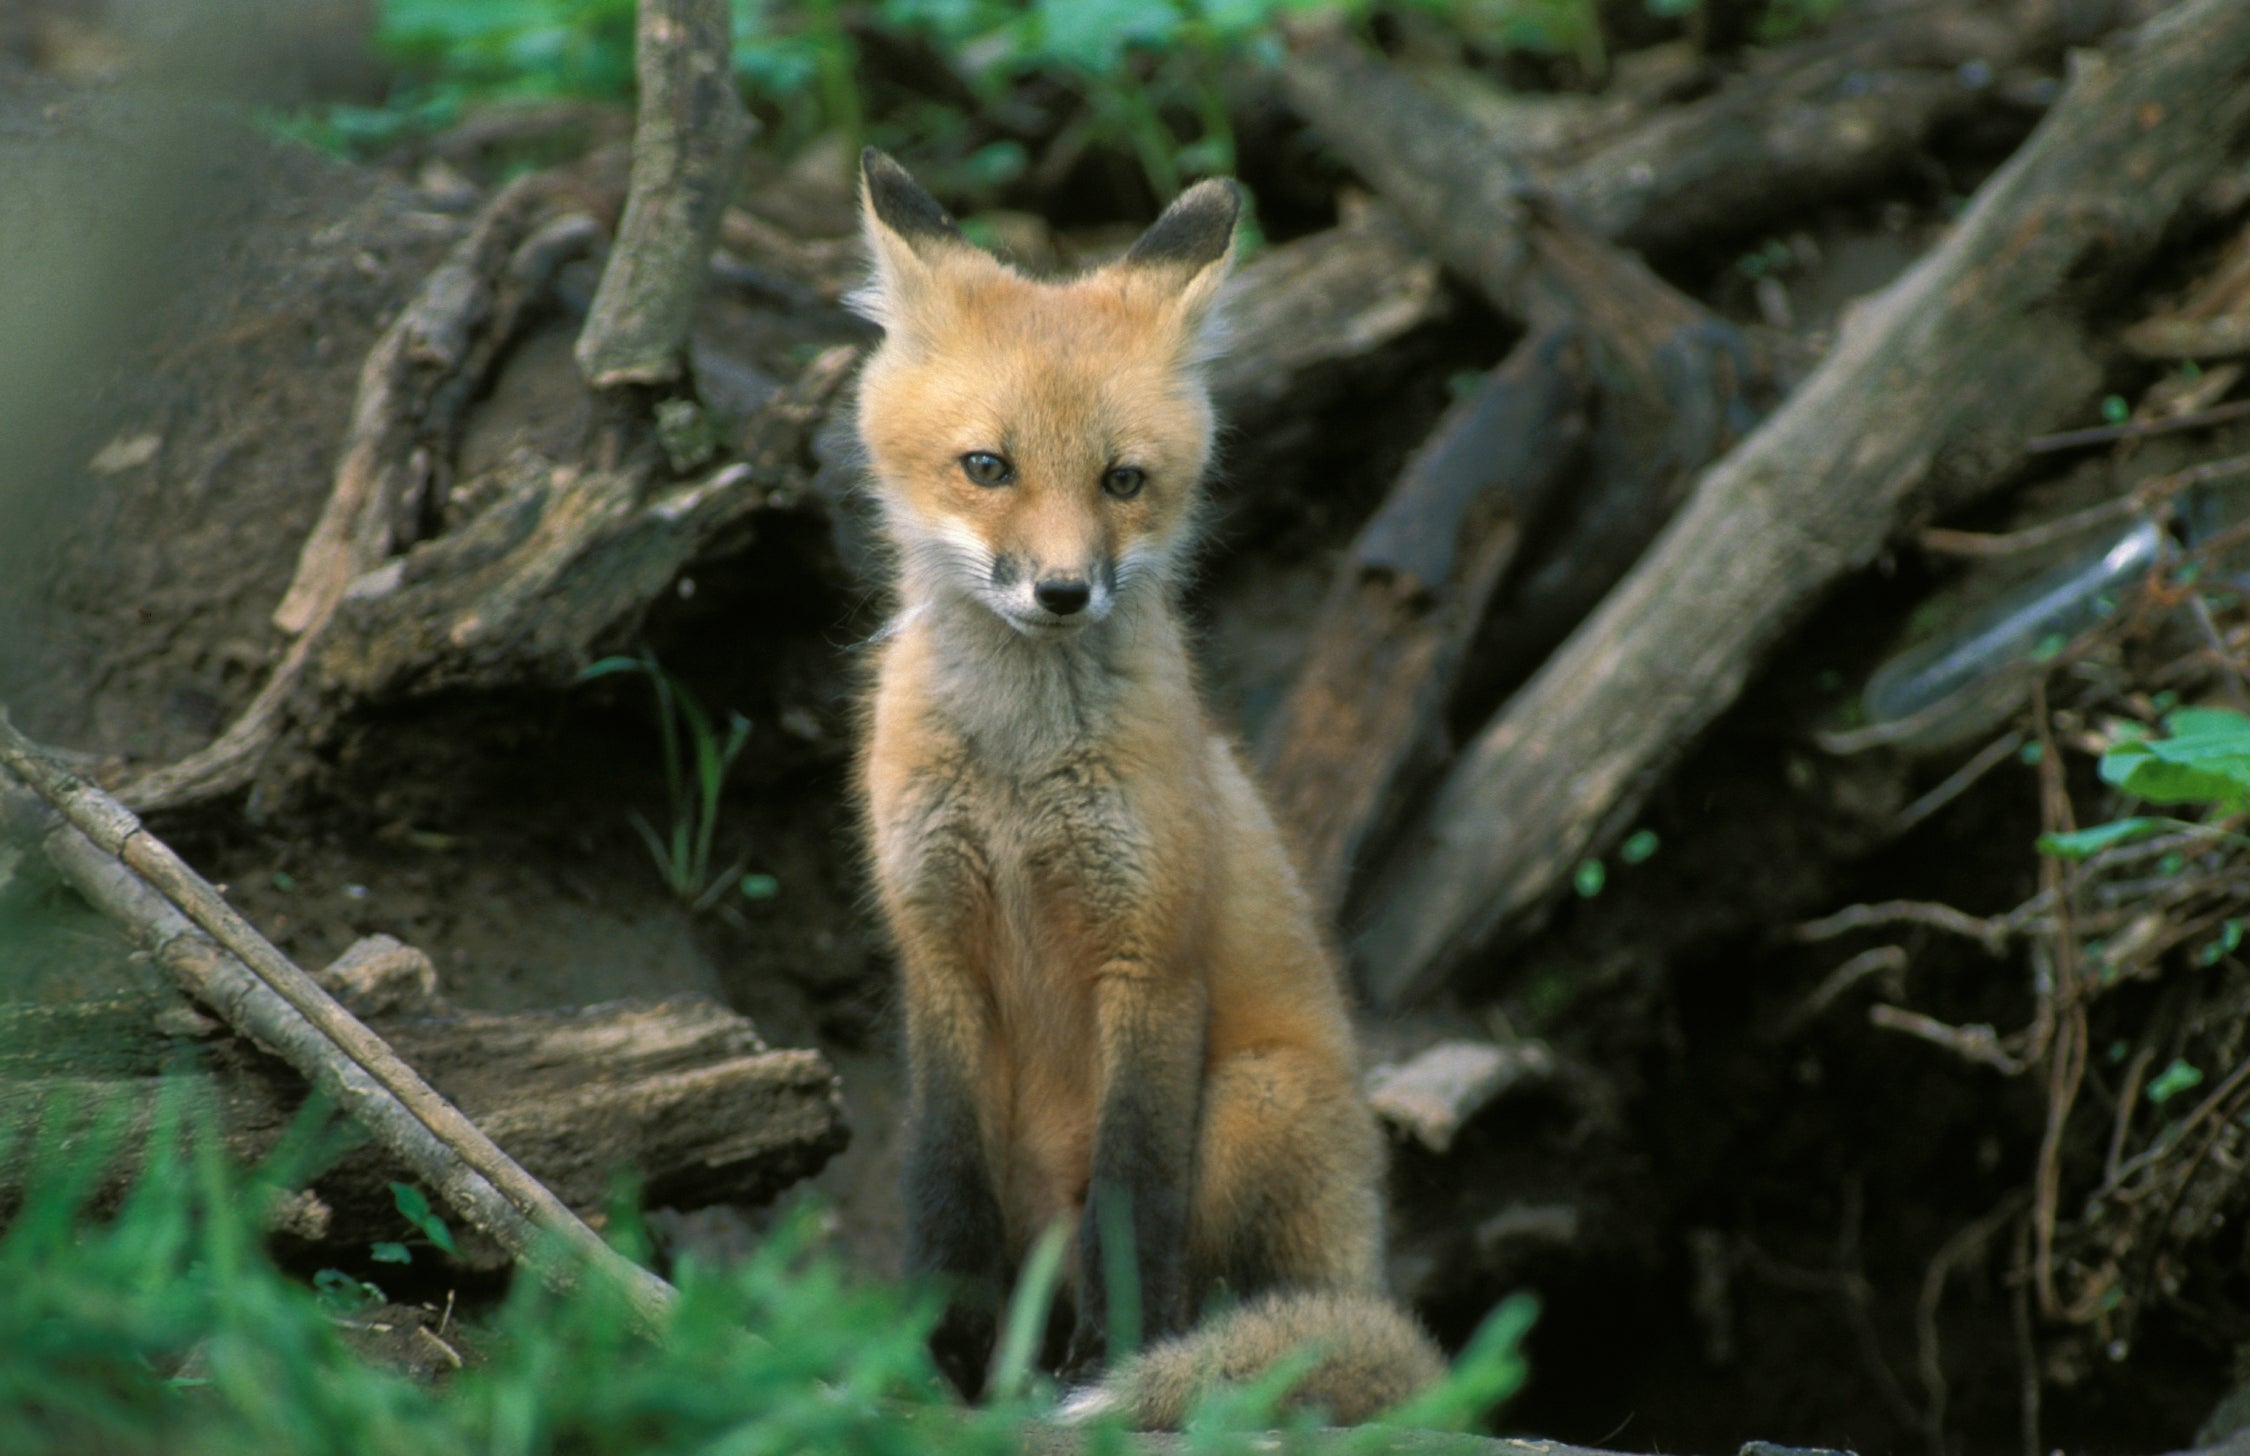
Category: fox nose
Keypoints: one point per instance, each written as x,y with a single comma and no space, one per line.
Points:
1063,595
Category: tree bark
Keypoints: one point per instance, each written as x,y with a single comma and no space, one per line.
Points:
680,1093
1924,401
688,146
1388,644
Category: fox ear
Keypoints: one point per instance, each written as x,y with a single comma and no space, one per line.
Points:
907,231
1194,242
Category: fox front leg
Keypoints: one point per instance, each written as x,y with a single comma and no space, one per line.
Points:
1151,1029
954,1230
935,881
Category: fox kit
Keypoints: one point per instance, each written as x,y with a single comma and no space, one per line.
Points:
1119,1009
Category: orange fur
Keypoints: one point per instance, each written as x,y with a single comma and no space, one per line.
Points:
1101,935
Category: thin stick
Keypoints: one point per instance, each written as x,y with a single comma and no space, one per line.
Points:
1944,541
1957,783
1978,1043
2062,1033
2138,429
113,829
1991,934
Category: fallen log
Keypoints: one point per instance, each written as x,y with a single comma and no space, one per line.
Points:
1921,406
1668,386
681,1094
1387,646
1804,124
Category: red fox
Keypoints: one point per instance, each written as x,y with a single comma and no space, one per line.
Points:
1119,1008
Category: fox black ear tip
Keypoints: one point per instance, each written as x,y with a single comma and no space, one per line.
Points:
1196,229
898,201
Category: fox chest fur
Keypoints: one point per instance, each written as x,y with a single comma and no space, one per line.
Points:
1027,806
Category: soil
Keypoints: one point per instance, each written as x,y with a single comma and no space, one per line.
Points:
1739,1213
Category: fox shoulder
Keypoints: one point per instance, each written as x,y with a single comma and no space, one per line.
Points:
1369,1356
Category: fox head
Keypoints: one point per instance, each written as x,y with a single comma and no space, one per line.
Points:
1038,447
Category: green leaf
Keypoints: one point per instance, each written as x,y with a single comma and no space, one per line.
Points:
389,1253
2203,759
2173,1080
1092,35
1027,1312
339,1291
608,666
1589,878
415,1208
760,887
2080,843
412,1203
1638,846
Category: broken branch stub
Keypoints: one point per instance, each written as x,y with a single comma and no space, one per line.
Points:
688,146
1925,399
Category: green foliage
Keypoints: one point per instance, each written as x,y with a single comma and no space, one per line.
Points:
514,48
693,783
1151,77
164,1328
2084,843
415,1208
2179,1077
2203,759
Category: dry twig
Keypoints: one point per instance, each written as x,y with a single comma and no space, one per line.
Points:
260,991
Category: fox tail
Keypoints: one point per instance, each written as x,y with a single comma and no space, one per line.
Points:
1368,1356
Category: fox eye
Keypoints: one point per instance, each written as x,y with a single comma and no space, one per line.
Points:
1123,482
986,468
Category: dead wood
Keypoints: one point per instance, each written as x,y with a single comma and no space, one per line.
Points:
1387,647
1802,125
1924,401
688,145
559,562
130,875
1668,384
1319,304
413,391
2211,321
680,1093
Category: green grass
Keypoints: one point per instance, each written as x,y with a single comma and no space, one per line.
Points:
698,755
163,1327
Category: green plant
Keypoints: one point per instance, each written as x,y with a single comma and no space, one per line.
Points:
695,775
164,1328
414,1207
2203,759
